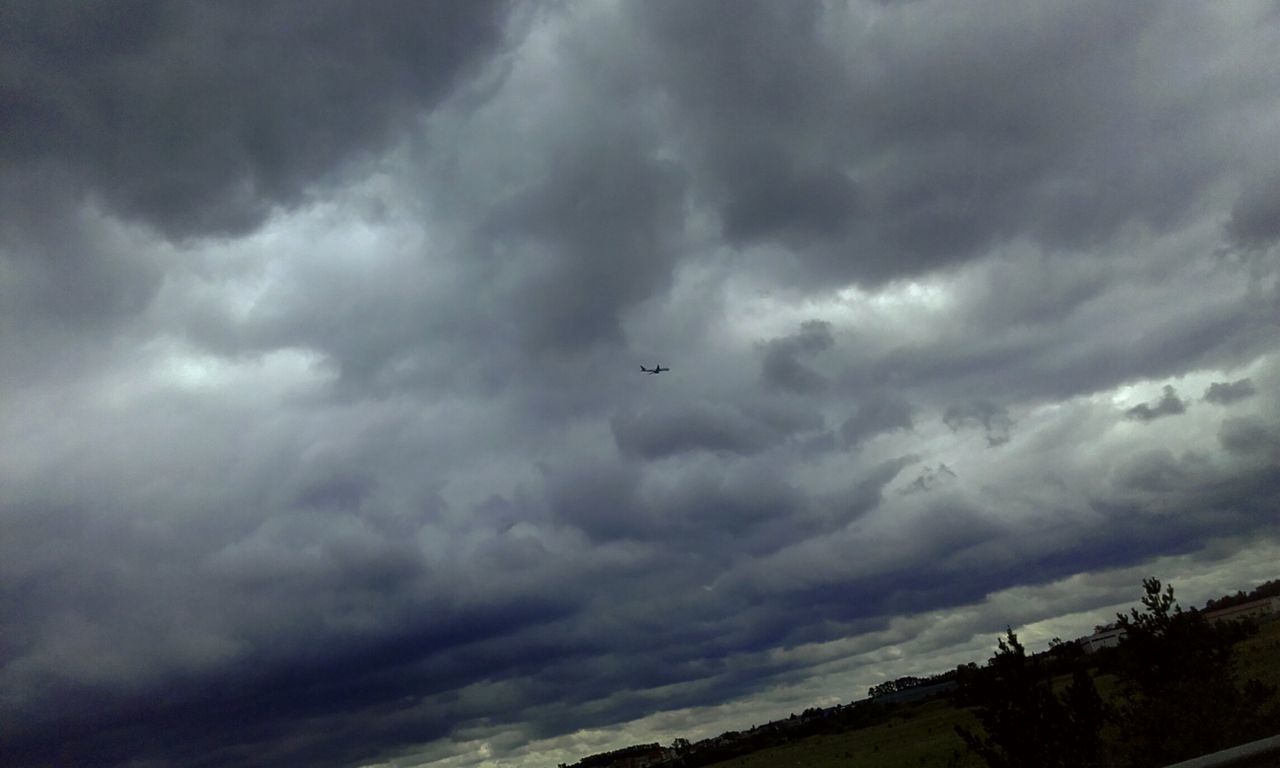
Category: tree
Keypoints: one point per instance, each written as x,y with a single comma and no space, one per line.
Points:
1179,696
1024,722
893,686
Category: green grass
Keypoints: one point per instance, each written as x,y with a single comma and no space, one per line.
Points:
923,735
1259,656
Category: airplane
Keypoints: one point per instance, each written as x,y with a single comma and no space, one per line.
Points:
656,369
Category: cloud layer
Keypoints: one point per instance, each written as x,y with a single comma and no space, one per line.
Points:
324,437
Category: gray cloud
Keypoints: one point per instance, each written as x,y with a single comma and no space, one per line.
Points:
929,479
595,230
782,367
876,414
325,441
994,420
1250,437
1228,392
959,151
601,499
1157,471
1254,217
1169,404
869,492
1220,326
200,120
709,426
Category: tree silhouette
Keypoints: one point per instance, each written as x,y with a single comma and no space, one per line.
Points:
1179,696
1024,722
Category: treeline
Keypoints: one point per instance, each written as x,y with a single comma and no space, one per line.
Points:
907,682
1266,589
1064,649
1178,696
608,758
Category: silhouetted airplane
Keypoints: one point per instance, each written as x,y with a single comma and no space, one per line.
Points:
655,369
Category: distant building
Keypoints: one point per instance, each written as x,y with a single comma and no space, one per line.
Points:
1266,608
1102,637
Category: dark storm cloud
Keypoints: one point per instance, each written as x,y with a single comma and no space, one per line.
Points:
1156,471
754,69
601,498
595,229
194,120
314,613
392,476
1216,327
1255,218
200,119
716,508
877,413
953,550
1188,495
709,427
719,513
782,367
777,201
1250,437
70,279
890,575
1169,404
554,217
597,641
1228,392
64,264
1021,126
994,420
324,708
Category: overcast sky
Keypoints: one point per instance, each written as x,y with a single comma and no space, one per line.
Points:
323,436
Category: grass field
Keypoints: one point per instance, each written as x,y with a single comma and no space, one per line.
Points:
923,735
1259,656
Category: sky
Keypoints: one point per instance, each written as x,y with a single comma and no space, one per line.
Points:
323,435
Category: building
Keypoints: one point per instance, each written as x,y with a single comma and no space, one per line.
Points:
1103,637
1258,610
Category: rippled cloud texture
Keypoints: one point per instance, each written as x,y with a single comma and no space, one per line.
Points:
323,435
